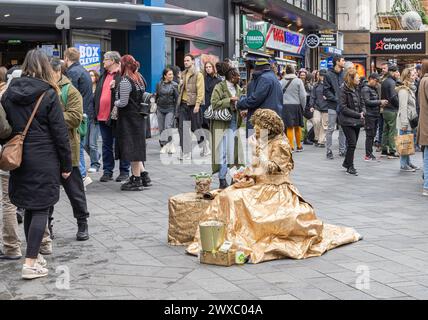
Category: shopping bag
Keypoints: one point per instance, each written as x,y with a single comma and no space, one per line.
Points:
405,144
154,125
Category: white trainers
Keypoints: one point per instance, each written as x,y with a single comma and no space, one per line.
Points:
164,149
92,170
87,181
425,193
41,260
34,272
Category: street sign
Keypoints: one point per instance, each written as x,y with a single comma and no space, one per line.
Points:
328,39
254,39
312,41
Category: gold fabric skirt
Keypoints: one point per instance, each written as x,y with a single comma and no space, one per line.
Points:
270,222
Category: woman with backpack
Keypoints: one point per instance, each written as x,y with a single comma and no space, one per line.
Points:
46,157
131,124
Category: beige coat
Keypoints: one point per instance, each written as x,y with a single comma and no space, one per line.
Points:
422,134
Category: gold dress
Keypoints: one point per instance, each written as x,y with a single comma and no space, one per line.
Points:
269,219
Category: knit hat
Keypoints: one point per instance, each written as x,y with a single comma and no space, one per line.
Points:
262,62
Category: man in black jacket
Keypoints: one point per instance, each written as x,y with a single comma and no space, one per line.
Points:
104,100
81,80
390,112
332,83
372,104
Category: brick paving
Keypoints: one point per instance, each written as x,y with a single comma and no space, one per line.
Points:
128,256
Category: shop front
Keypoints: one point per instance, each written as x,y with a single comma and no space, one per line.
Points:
93,27
205,38
265,40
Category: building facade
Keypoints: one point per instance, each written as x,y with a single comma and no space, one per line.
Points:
382,31
282,28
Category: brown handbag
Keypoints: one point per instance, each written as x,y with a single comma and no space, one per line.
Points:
11,153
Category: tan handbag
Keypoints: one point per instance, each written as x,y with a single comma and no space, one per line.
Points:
11,153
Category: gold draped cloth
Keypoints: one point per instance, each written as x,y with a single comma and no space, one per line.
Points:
270,220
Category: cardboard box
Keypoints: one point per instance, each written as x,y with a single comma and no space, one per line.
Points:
218,258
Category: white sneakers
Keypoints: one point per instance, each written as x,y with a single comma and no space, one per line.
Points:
425,193
41,261
87,181
92,170
37,271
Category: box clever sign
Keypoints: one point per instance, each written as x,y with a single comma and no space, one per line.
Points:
90,56
398,43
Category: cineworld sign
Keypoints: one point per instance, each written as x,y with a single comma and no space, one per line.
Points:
398,43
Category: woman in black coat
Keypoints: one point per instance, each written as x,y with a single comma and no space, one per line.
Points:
131,127
34,186
351,116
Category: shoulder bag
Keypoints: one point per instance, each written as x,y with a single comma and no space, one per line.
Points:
11,153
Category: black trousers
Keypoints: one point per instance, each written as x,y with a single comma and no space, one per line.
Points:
371,130
34,228
188,122
351,134
75,191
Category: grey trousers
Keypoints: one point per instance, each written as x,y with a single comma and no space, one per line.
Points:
332,120
166,122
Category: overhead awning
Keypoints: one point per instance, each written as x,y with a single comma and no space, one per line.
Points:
91,14
284,11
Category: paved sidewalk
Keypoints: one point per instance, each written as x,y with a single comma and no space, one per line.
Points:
128,257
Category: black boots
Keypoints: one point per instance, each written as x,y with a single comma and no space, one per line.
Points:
145,179
223,184
82,231
134,184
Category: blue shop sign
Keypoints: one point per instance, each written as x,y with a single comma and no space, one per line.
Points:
333,50
324,64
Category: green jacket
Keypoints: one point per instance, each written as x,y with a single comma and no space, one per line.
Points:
73,115
220,99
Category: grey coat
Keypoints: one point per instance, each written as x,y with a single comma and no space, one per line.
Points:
295,93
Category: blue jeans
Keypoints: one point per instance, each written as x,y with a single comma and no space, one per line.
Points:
405,160
82,165
227,147
94,133
108,155
426,167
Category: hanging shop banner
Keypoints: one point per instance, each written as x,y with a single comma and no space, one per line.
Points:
398,43
284,40
90,56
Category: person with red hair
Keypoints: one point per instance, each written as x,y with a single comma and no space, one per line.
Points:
131,125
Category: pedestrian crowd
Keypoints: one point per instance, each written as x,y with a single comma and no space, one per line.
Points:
73,108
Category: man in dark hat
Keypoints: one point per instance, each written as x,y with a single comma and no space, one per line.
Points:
264,91
390,112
